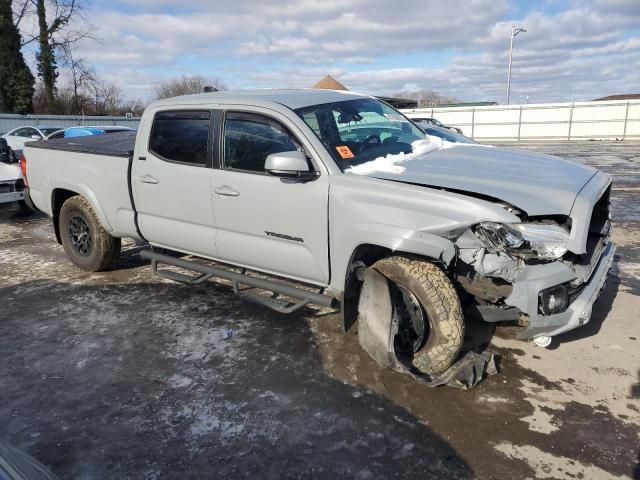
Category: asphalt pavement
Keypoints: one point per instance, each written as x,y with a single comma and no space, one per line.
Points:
124,375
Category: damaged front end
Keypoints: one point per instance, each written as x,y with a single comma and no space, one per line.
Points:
544,273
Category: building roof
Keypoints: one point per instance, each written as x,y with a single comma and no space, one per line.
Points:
330,83
292,98
624,96
399,102
467,104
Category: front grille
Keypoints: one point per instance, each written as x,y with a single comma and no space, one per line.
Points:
6,187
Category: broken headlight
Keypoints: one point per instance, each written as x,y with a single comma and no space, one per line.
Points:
527,240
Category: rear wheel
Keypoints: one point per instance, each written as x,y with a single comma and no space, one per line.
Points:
86,242
427,311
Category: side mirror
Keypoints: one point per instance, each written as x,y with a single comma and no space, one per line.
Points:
289,165
36,137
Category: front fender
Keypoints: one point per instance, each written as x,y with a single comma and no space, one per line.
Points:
395,239
398,239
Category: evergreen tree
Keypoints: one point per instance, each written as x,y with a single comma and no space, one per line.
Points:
16,80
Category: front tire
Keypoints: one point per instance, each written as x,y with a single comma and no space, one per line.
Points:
86,242
428,311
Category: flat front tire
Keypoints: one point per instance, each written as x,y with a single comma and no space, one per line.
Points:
427,309
85,241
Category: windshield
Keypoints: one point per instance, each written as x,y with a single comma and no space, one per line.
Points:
357,131
49,130
445,134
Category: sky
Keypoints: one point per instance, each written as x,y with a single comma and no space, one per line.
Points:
572,50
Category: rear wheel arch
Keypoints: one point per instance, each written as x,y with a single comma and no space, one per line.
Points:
58,197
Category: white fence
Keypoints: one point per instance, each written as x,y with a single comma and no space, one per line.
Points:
9,121
606,120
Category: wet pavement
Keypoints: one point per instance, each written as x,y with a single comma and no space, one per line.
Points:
124,375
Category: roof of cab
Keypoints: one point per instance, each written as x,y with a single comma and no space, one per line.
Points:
292,98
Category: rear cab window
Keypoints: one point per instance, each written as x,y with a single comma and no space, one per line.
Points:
181,136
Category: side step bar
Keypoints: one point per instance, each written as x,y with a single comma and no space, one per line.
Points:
206,272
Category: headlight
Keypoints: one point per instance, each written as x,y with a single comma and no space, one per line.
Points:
544,241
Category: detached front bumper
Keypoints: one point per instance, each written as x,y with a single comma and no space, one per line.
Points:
533,279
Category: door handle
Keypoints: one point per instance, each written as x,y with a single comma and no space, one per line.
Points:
149,179
226,191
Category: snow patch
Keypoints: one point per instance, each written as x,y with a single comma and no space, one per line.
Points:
551,465
392,162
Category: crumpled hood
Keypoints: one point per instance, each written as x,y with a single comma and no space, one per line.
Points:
9,172
536,183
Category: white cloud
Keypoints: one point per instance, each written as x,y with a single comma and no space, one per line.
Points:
583,50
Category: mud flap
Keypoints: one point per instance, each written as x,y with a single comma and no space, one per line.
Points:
377,330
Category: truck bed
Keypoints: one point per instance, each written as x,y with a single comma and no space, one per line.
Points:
119,144
96,167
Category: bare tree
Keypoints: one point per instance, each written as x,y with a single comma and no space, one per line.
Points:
134,107
426,98
108,98
65,20
59,24
40,103
82,76
94,97
187,85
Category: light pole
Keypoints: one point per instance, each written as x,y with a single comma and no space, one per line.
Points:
514,33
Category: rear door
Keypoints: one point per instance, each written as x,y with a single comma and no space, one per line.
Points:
262,221
171,179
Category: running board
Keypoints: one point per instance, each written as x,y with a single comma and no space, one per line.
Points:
206,272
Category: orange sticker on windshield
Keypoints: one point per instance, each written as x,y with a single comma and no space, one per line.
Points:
345,152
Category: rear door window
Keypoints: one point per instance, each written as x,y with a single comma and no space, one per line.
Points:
181,136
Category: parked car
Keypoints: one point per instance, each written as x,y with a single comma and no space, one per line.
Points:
13,191
445,133
437,123
83,131
351,203
17,137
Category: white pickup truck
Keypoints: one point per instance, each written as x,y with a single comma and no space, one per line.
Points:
337,199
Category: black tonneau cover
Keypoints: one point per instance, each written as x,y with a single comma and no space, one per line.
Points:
119,144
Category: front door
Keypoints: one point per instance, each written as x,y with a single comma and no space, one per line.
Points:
172,179
262,221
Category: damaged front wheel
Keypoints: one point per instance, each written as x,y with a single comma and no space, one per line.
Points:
427,313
